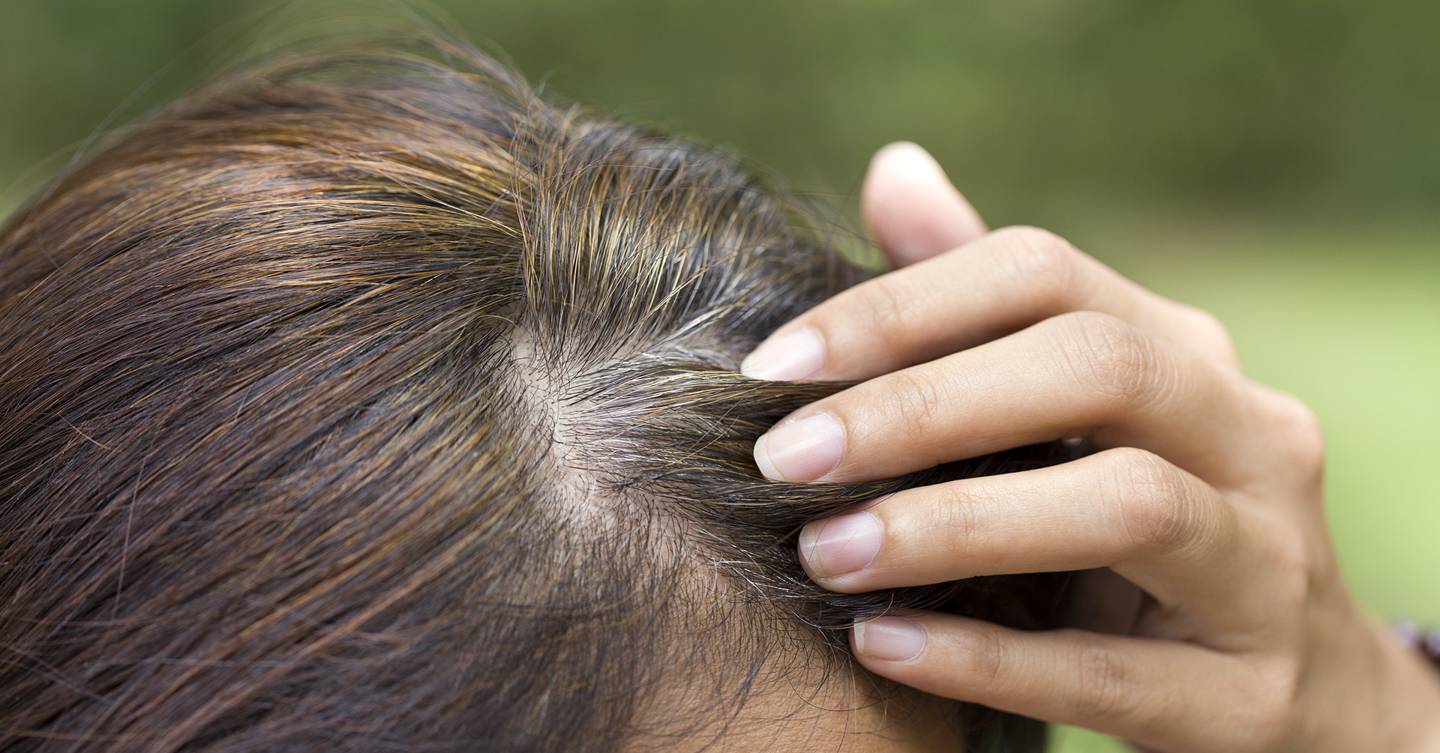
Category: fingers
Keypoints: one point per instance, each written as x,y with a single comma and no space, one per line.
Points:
1161,528
1157,526
1080,374
912,209
1001,283
1162,694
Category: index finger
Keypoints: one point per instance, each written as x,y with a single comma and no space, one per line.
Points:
1079,374
999,284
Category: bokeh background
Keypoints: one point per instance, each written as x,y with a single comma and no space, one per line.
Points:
1275,162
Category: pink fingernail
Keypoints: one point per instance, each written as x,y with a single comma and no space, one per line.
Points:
841,545
889,639
914,159
801,450
787,356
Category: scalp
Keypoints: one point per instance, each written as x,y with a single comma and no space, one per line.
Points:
366,400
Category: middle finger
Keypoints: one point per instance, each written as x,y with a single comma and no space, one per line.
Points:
1079,374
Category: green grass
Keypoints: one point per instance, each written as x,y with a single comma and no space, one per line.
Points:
1350,322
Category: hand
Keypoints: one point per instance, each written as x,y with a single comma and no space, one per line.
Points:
1206,494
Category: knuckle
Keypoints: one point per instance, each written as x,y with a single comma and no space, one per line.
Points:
1302,435
1110,357
968,526
1106,686
917,401
884,307
1157,505
1212,334
985,656
1293,569
1041,258
1292,551
961,515
1274,713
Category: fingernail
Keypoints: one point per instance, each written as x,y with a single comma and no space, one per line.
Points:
841,545
801,450
914,159
792,355
889,638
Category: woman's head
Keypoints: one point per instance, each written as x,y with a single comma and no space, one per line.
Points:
367,402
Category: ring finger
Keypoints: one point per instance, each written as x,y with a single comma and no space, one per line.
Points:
1159,527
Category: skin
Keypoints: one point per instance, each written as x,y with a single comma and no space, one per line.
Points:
834,714
1214,617
803,697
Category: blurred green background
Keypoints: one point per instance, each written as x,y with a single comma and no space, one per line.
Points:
1276,162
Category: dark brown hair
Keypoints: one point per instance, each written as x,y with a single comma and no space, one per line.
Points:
364,401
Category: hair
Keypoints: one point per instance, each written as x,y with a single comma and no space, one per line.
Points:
365,401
